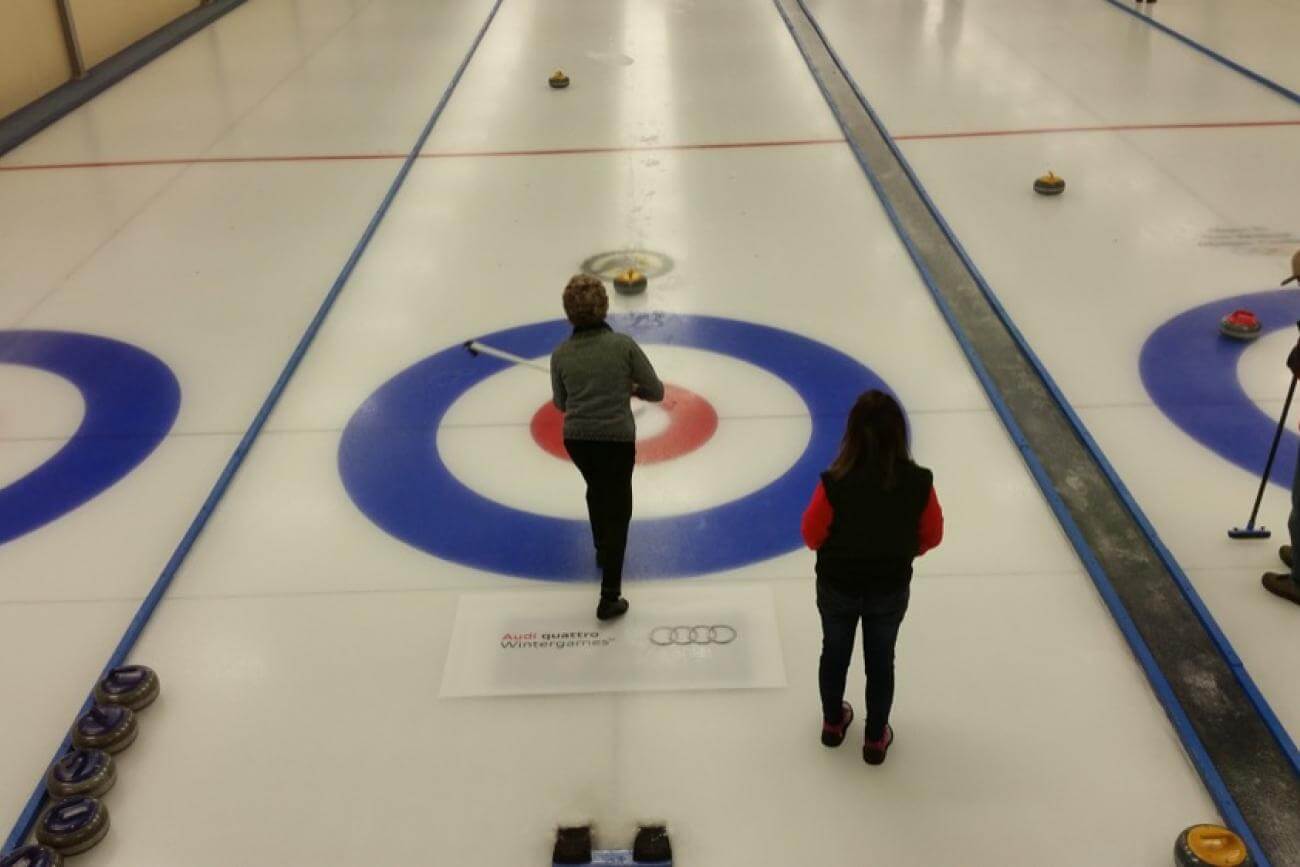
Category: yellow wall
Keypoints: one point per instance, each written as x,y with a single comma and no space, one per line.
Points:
105,27
33,60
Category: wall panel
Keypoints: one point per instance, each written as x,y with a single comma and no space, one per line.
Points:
33,59
105,27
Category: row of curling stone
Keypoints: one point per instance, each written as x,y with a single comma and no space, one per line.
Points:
78,819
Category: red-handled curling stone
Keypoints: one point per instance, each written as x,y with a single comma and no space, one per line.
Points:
1240,325
73,825
133,686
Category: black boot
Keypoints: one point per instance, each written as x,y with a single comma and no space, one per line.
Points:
608,608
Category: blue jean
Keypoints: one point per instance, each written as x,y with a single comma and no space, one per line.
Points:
881,617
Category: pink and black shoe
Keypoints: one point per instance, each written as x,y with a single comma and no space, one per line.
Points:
833,734
873,752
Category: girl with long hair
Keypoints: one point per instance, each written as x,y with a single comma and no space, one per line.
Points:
871,514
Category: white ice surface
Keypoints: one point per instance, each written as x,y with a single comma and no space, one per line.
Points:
300,647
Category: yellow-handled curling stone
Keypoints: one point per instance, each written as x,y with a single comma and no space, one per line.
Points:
559,80
1211,846
630,282
1049,185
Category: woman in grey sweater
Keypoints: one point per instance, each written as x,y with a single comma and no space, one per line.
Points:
594,375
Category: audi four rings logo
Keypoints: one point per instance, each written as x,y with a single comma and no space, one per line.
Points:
681,636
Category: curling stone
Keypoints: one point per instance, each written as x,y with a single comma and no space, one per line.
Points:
73,825
32,856
81,772
630,282
133,686
1049,185
1240,325
572,845
111,729
1295,269
1211,846
559,80
652,845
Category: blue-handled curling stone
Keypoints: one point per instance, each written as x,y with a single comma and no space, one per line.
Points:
133,686
109,728
32,856
73,825
81,772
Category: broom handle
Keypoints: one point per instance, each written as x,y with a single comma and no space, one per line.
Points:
1272,453
637,407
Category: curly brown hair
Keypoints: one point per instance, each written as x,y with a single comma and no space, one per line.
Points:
585,301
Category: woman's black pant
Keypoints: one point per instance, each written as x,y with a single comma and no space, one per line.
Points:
881,617
607,469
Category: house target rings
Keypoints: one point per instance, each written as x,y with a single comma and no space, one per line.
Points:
682,636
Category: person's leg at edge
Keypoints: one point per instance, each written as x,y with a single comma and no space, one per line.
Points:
881,619
1287,584
1293,522
839,614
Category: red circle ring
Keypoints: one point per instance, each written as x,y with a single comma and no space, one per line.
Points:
692,422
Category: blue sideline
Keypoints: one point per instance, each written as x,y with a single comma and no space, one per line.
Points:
26,122
1210,52
23,828
1160,685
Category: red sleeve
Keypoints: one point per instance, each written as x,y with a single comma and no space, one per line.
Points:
930,532
816,524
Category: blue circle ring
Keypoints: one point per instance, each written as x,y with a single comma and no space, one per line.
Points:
391,469
1190,371
131,401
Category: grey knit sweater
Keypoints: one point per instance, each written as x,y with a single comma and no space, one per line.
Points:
593,376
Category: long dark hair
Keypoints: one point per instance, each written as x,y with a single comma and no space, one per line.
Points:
875,439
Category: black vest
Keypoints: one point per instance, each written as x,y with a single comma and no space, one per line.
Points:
873,534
